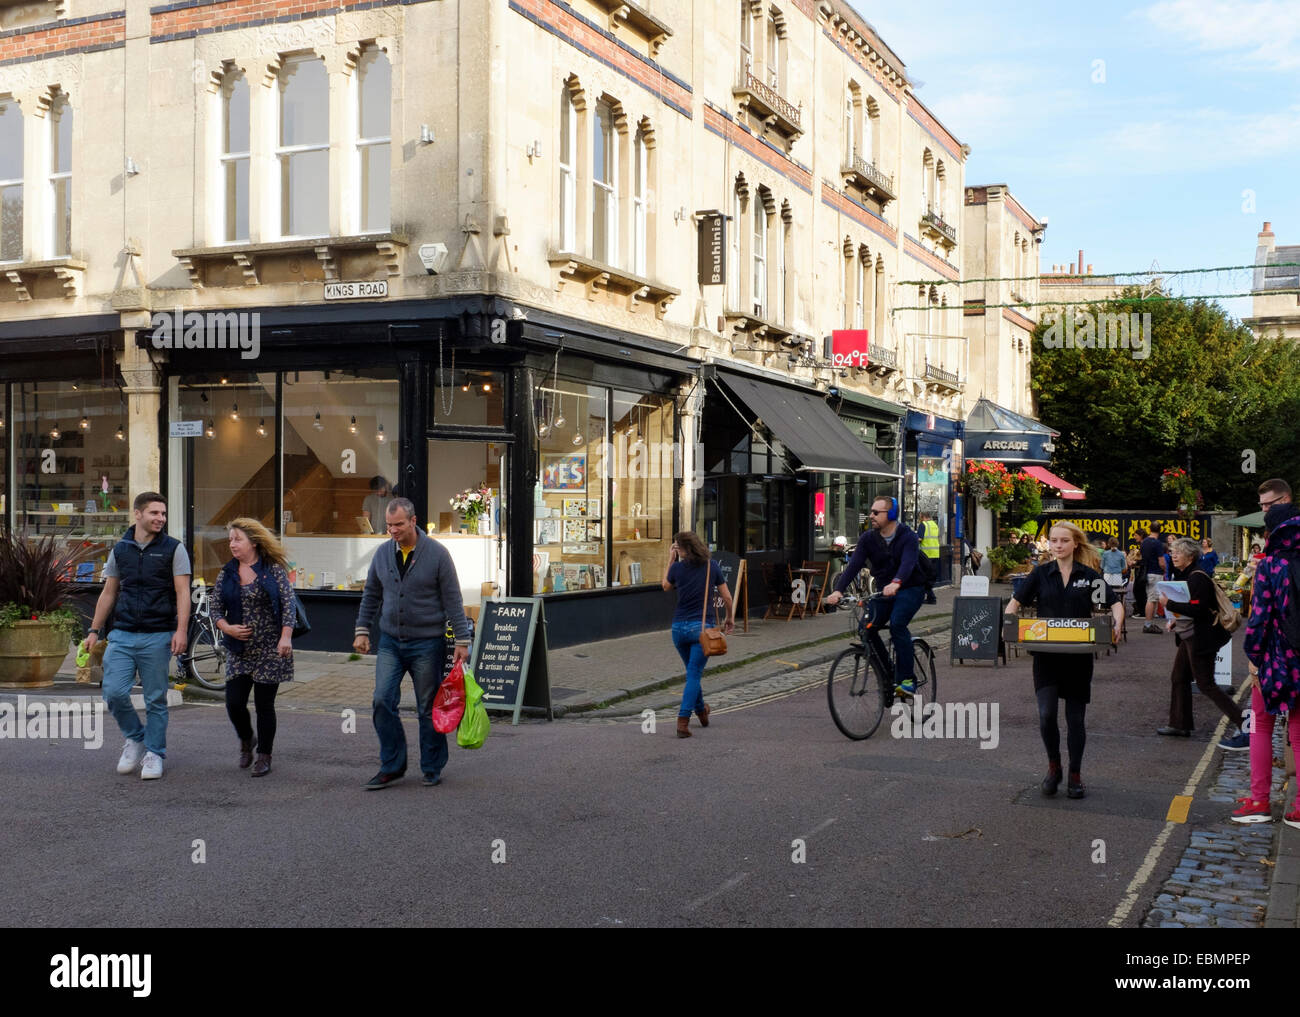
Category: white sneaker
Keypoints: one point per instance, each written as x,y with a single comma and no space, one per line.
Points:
152,768
131,754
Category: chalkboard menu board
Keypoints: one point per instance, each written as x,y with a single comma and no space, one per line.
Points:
509,650
976,629
732,567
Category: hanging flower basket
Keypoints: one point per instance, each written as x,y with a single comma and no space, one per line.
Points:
1177,480
989,483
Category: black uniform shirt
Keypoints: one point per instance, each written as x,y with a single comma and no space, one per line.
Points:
1071,600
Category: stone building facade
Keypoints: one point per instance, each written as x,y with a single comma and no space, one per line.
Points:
1273,312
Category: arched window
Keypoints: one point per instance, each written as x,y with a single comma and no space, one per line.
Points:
862,267
848,124
568,163
870,136
303,148
604,186
760,258
234,157
375,99
783,256
640,186
60,119
940,183
11,181
927,163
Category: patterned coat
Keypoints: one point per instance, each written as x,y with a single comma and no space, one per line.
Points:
1266,646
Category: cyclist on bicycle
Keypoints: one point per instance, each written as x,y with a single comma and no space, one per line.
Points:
891,548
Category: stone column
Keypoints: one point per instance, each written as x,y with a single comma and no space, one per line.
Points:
143,391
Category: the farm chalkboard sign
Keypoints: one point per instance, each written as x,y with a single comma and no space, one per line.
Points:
732,567
509,657
976,628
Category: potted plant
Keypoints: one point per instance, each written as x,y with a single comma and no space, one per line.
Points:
36,624
1179,481
471,504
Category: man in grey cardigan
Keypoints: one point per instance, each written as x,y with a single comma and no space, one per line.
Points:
412,587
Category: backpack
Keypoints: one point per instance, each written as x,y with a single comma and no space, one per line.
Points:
929,568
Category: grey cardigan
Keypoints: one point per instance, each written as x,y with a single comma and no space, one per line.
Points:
419,605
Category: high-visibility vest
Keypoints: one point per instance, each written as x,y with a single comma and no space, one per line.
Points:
930,539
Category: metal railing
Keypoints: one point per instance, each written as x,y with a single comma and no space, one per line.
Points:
770,98
937,360
933,220
868,171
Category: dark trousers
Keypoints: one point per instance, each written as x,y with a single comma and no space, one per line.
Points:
1188,667
237,690
1139,590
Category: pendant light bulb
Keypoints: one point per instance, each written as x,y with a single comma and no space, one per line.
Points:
85,423
577,438
379,436
316,423
352,427
121,434
54,432
212,429
234,411
261,428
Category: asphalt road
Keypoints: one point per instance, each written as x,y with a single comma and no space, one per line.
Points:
595,823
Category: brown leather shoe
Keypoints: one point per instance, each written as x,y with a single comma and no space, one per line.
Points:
246,747
704,715
683,727
263,765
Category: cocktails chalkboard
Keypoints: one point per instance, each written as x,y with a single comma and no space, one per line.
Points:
976,622
509,649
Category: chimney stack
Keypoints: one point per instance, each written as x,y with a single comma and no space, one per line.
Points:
1090,270
1267,231
1081,261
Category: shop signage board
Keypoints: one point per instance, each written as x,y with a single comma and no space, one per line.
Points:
1129,528
713,249
509,656
364,289
974,630
849,347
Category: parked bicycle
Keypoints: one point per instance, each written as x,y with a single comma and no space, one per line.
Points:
860,686
204,659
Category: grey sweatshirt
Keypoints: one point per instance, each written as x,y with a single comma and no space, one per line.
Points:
418,605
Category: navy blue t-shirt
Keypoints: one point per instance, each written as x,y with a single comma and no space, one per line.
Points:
689,581
1153,554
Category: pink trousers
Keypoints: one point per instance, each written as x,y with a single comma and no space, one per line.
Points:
1261,746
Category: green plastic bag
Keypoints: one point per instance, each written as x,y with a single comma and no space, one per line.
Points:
474,726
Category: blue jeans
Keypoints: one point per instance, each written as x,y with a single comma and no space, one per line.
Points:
423,658
896,612
686,637
149,653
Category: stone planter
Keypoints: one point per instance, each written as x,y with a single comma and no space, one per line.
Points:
30,654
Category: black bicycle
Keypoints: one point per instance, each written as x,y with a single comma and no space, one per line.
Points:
204,659
860,686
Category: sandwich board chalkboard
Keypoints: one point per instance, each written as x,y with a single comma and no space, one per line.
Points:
976,629
732,567
509,656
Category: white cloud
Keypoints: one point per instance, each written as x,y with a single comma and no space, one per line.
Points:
1250,34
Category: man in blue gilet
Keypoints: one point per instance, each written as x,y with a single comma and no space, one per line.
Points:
147,588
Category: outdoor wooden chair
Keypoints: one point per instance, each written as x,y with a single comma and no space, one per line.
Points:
818,584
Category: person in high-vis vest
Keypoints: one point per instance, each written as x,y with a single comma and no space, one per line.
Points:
928,531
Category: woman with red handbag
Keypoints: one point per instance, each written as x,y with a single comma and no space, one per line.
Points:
695,576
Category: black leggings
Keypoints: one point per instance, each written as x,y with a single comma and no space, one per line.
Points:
1075,736
237,689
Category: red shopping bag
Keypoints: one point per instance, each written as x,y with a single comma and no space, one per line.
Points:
449,702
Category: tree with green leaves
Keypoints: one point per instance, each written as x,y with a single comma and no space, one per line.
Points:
1207,387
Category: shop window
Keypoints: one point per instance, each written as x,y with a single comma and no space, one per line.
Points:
569,510
645,462
60,166
230,469
70,464
234,157
474,535
303,148
11,181
468,397
374,83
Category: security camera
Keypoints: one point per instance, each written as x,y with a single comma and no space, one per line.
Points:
433,257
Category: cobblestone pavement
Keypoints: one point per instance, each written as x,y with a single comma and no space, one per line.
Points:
1222,879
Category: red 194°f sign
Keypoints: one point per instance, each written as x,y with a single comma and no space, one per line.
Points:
849,347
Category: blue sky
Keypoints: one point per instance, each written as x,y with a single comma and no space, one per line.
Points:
1199,102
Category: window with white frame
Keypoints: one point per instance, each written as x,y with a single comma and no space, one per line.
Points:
878,299
925,181
374,141
604,186
848,283
735,226
640,169
746,37
939,184
568,170
773,53
303,148
867,148
60,165
11,181
782,256
860,290
760,258
234,157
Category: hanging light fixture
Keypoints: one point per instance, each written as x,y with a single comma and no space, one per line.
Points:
234,411
543,429
261,428
487,386
212,429
223,379
54,432
85,423
352,427
121,433
317,424
559,421
577,438
379,436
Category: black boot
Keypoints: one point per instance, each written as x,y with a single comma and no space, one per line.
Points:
1053,779
1075,788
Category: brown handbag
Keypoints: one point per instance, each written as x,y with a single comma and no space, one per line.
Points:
713,641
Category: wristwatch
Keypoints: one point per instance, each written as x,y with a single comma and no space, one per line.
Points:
96,632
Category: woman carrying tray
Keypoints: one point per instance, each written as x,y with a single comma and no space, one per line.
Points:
1065,587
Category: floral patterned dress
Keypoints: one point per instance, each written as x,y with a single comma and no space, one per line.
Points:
260,659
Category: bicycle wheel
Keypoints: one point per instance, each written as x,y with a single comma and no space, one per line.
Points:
204,660
855,694
927,683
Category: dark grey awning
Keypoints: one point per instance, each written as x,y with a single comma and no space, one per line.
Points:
807,427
